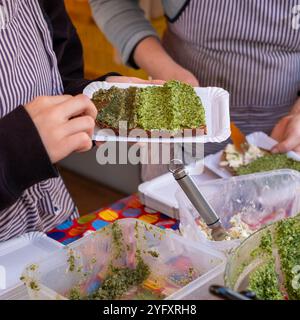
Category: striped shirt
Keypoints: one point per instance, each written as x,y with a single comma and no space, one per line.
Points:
28,69
247,47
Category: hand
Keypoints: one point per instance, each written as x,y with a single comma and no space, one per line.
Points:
151,56
296,107
287,133
176,72
120,79
65,123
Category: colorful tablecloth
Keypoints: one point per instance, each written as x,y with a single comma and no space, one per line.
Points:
129,207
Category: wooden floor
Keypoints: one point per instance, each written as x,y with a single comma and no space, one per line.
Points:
88,195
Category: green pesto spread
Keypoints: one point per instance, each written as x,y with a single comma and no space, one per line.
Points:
118,280
116,105
264,281
288,243
269,162
265,247
173,106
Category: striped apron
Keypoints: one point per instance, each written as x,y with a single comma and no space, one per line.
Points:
28,69
247,47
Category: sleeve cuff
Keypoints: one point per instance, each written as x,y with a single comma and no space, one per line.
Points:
24,159
127,52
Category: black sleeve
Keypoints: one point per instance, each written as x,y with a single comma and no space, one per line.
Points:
67,47
23,158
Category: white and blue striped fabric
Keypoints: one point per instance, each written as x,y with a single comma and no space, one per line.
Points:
248,47
28,69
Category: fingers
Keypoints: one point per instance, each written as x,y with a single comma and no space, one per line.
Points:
280,129
117,79
297,149
289,129
156,82
52,100
79,124
79,105
79,142
286,145
135,80
33,107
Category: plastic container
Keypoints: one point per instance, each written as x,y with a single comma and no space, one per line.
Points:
215,102
177,259
16,253
261,199
242,263
159,194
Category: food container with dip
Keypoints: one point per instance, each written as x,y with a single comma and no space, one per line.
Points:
268,262
178,269
257,199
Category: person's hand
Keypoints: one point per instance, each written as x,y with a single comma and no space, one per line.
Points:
121,79
65,123
151,56
287,133
174,71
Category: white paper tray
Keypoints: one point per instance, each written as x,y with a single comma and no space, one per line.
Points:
16,254
215,102
159,193
259,139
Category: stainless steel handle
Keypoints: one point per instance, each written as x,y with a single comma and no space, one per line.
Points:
197,199
204,209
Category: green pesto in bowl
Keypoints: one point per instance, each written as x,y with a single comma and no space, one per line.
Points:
271,266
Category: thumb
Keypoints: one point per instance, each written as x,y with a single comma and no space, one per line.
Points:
79,142
284,146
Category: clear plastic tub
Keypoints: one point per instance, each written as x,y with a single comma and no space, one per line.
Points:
179,270
260,198
248,259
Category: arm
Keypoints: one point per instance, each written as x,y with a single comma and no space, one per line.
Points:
39,134
123,23
20,148
153,58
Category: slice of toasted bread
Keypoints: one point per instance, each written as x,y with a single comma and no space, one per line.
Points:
202,130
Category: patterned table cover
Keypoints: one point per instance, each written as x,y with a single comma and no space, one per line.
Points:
129,207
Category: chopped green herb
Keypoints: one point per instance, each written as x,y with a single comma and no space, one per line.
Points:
120,280
34,286
71,261
264,282
173,106
75,294
288,243
267,163
154,254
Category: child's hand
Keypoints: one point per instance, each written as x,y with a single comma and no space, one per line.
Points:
65,123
